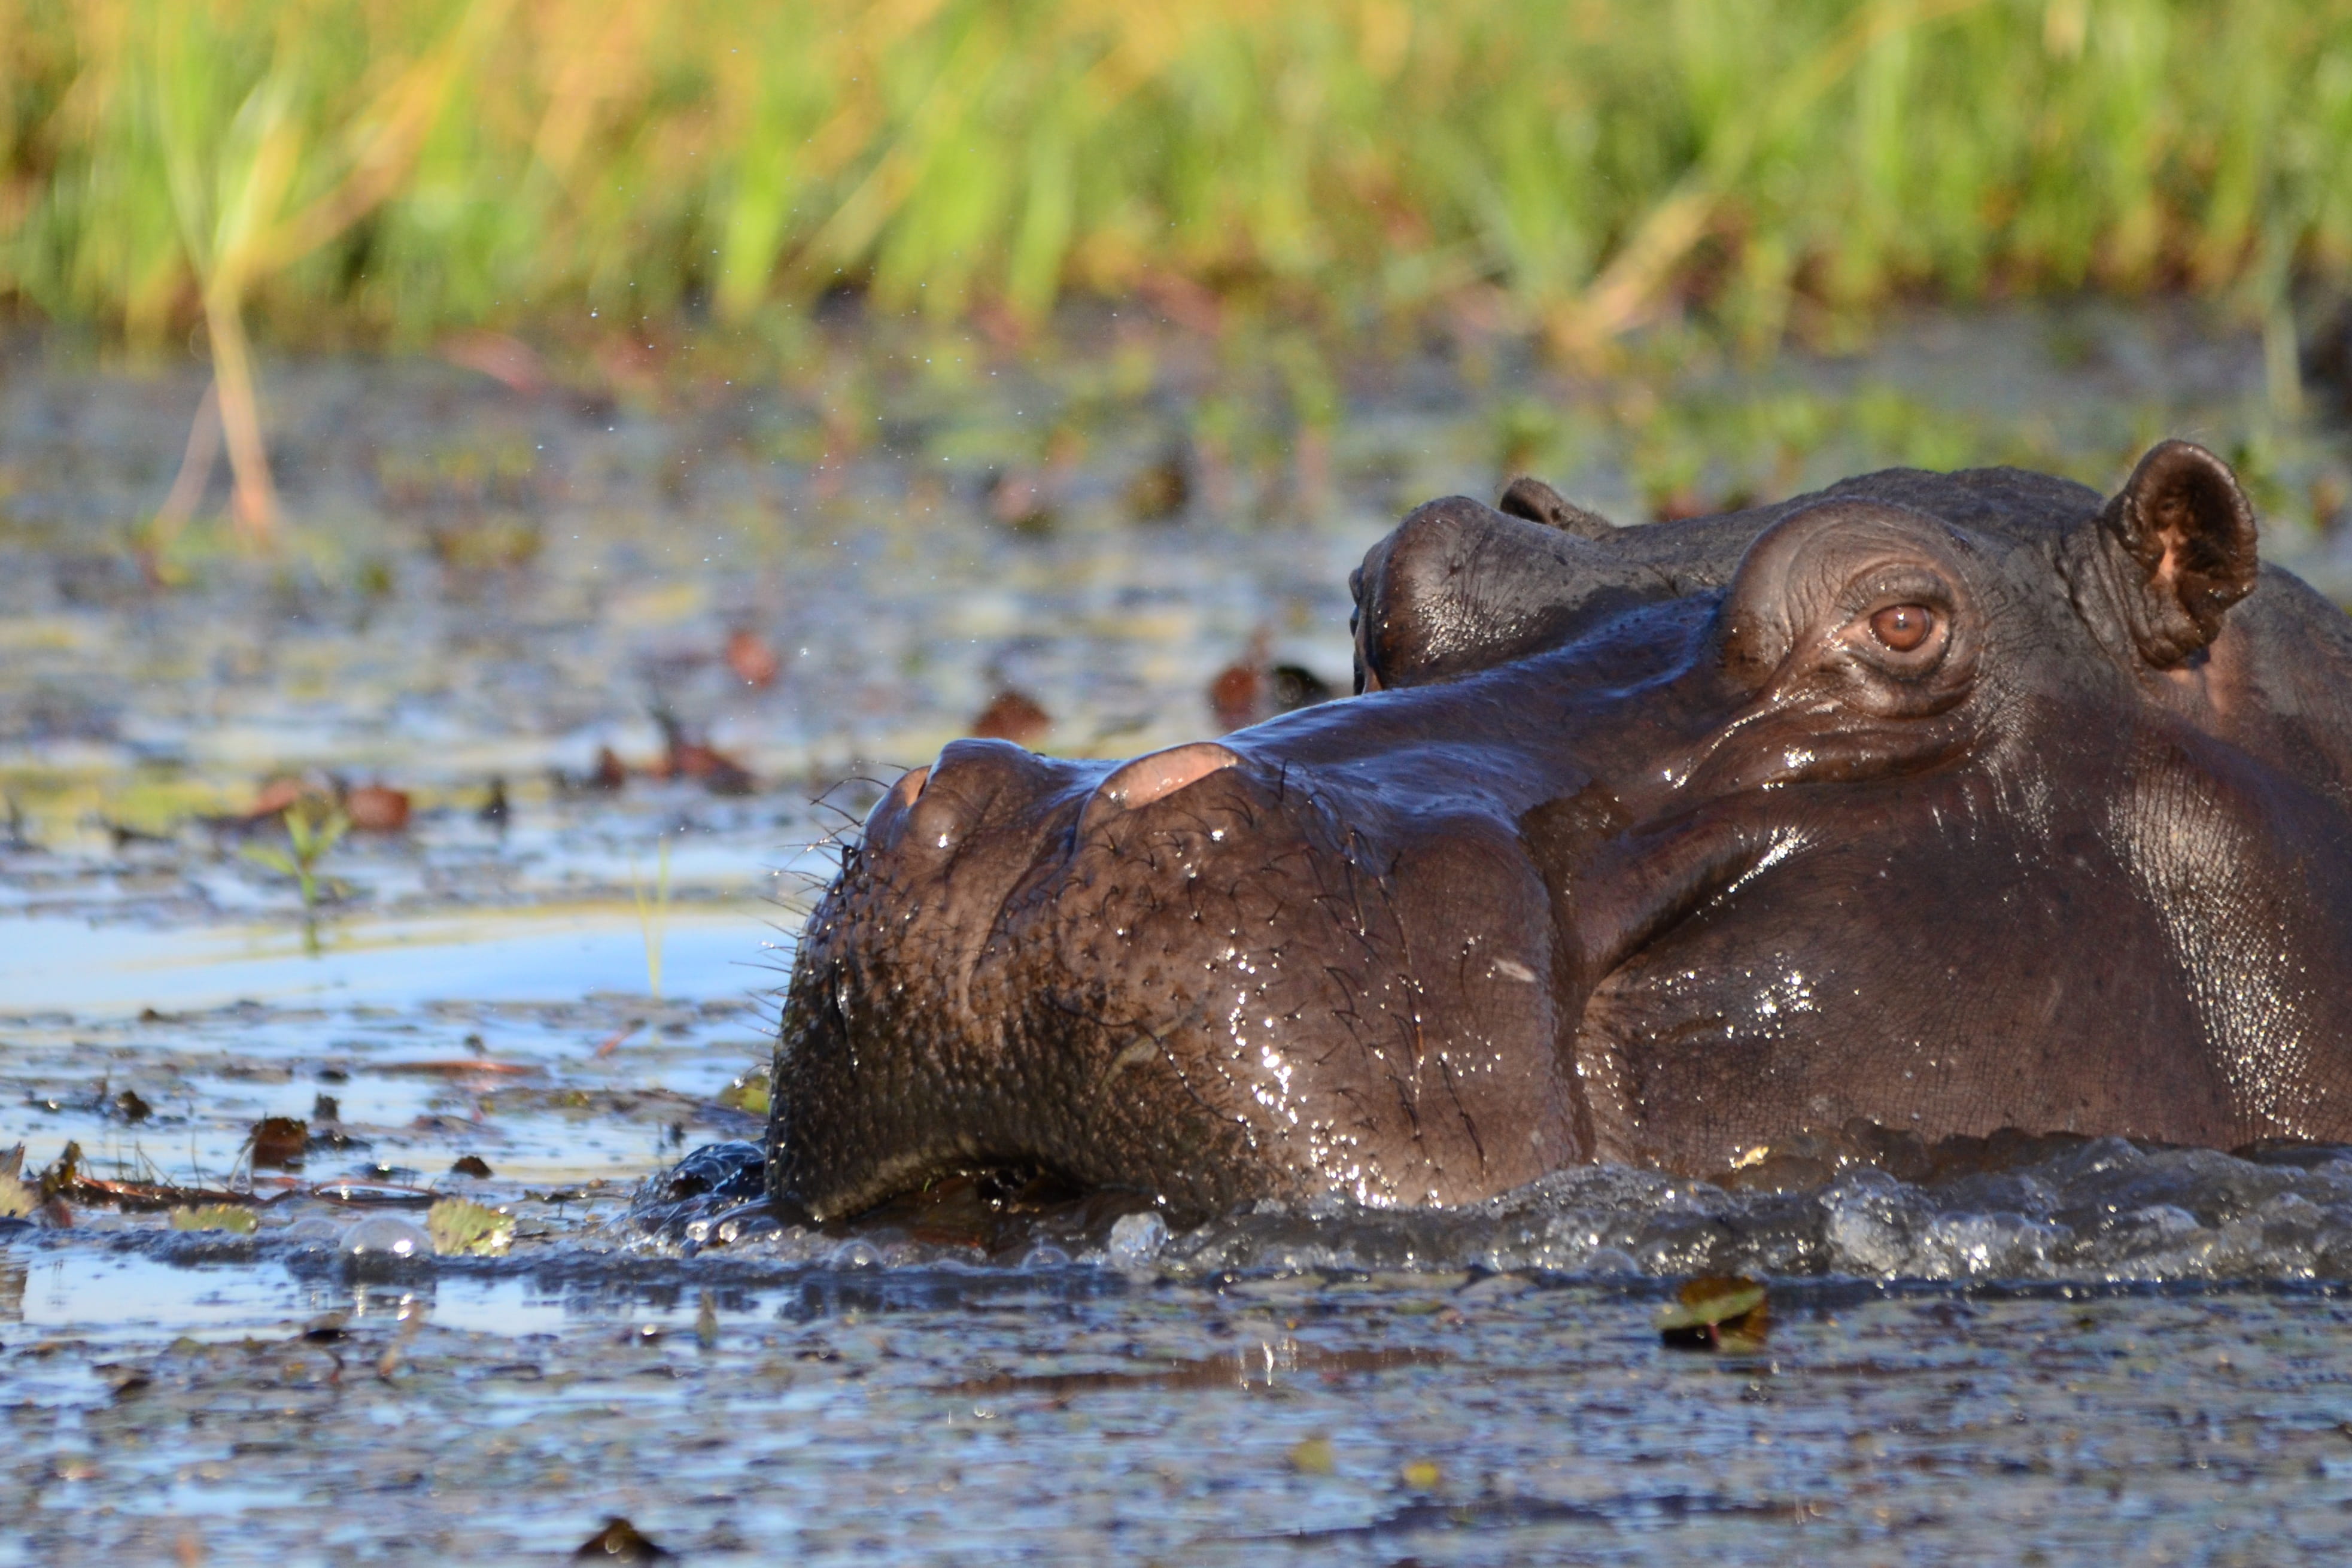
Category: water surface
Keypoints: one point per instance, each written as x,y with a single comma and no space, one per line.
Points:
2062,1352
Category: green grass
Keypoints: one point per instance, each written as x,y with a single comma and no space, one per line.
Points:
364,170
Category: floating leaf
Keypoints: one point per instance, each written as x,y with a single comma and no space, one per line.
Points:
462,1228
1715,1312
472,1165
1314,1457
749,1092
216,1216
619,1542
1421,1475
280,1141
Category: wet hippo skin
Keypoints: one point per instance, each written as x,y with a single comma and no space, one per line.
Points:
1955,802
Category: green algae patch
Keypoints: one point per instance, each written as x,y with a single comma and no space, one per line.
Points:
216,1216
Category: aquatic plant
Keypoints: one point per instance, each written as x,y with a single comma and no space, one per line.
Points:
653,914
312,828
343,166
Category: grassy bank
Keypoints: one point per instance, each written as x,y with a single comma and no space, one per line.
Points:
336,169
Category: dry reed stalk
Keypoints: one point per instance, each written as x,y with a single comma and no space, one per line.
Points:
236,232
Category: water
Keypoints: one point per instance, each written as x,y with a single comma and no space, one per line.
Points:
2008,1353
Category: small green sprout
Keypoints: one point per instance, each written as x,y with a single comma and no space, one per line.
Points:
311,829
653,915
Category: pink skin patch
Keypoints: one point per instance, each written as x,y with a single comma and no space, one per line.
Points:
1156,777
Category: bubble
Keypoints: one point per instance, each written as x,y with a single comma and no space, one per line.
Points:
384,1236
750,1227
856,1254
314,1232
1046,1255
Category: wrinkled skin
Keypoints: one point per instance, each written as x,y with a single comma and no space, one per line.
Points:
1952,802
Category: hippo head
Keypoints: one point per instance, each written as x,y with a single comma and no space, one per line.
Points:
1954,802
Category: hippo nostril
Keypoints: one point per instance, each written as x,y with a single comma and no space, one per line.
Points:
1156,777
887,821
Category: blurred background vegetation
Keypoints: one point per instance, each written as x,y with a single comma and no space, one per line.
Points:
383,171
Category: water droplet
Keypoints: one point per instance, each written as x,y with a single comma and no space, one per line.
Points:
1137,1239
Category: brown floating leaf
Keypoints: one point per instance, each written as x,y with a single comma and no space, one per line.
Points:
279,1142
472,1165
1237,695
130,1108
1254,687
275,796
1013,716
1160,491
752,660
1716,1312
377,808
619,1542
684,757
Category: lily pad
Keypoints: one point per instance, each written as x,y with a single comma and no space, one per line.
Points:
749,1092
459,1228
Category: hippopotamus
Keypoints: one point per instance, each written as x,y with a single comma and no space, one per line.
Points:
1950,802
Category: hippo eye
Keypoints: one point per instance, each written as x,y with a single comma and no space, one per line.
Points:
1902,627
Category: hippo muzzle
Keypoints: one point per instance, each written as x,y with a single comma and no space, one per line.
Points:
1207,975
1948,802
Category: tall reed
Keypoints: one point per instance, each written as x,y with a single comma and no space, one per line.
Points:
394,168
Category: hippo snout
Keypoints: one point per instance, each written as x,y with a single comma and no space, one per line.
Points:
1192,974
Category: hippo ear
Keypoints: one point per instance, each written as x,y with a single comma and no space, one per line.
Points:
1538,502
1459,587
2182,535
